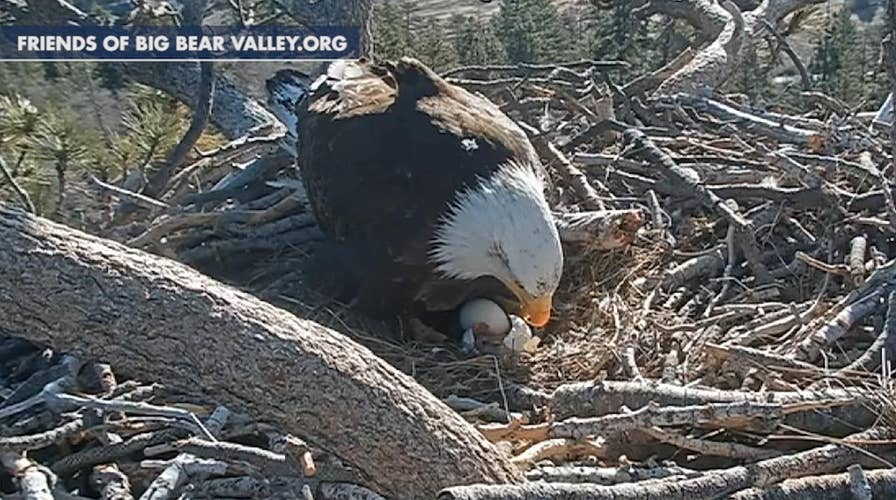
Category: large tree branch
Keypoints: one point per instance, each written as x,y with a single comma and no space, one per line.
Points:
715,63
705,15
201,111
166,322
234,114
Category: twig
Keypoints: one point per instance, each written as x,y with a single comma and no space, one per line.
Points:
856,261
587,63
730,262
516,430
797,62
701,266
296,449
710,448
630,365
587,399
469,407
757,358
645,148
645,83
885,342
835,269
135,198
266,461
752,122
112,452
605,230
839,324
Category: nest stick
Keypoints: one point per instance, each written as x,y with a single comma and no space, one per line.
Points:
111,482
837,326
590,399
34,481
607,475
856,260
578,180
714,484
706,447
881,483
646,149
43,439
713,414
183,468
884,345
264,460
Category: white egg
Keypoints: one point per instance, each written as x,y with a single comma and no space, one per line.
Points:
484,311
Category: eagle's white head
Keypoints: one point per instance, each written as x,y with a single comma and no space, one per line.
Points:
502,227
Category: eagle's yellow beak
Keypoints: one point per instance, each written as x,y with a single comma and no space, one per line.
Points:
536,311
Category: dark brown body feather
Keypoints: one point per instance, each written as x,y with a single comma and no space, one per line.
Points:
383,151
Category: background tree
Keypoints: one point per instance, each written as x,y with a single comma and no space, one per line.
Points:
844,59
436,47
392,32
531,31
477,42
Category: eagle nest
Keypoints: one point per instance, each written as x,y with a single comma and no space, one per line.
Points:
696,230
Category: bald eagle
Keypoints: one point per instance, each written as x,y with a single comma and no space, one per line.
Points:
429,194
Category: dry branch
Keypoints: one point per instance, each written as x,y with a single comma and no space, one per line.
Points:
646,149
825,459
592,399
34,481
261,359
579,182
715,63
607,475
828,487
883,347
111,483
714,414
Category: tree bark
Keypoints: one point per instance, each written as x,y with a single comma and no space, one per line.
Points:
713,65
201,110
161,320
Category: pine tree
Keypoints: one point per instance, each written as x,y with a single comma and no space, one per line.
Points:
109,76
477,43
435,48
617,34
531,31
838,59
391,25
